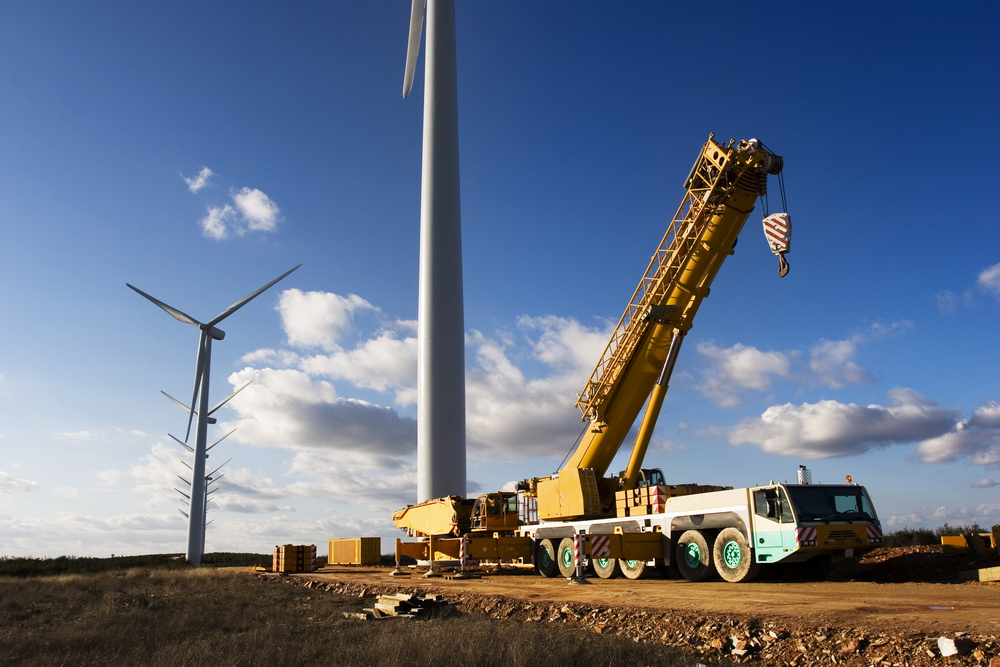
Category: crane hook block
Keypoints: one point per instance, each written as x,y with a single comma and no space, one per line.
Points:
778,233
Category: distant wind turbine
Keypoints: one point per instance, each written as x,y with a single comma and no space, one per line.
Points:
209,332
441,466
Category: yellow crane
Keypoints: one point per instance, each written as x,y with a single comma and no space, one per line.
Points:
635,368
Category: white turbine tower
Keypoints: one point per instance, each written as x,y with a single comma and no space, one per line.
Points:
209,332
441,467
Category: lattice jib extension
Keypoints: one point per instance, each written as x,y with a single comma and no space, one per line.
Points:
710,180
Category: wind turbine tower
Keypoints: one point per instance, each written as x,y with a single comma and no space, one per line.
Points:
209,332
441,468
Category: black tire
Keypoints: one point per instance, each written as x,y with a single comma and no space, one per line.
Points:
694,556
545,559
566,557
633,569
606,568
734,559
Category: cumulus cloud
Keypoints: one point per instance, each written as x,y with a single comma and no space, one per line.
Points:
68,492
260,213
830,429
977,438
984,484
736,370
290,410
251,211
509,414
198,182
318,319
11,484
215,225
989,280
985,514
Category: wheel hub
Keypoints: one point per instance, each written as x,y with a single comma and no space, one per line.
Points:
692,555
732,554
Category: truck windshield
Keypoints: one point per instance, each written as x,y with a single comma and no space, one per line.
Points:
830,503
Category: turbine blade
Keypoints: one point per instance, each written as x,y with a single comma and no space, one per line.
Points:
242,302
173,312
182,493
181,405
226,400
220,440
217,469
184,513
413,44
199,368
182,444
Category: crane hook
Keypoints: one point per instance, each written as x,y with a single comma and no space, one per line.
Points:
782,266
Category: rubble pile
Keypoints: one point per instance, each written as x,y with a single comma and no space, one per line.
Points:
780,641
907,564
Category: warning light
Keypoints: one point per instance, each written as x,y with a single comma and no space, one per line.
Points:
848,479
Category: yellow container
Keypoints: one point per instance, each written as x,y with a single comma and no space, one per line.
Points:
355,551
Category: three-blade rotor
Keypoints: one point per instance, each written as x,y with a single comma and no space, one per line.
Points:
208,332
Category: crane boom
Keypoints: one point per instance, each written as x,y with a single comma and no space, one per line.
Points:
722,189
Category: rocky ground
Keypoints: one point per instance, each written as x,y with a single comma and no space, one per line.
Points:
765,639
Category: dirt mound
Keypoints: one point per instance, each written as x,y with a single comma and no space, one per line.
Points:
927,564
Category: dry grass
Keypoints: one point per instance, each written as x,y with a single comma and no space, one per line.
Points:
219,617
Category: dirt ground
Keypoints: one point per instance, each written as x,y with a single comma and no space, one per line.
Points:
908,607
889,610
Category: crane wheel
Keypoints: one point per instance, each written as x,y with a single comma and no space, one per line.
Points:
633,569
545,559
566,557
694,556
606,568
733,557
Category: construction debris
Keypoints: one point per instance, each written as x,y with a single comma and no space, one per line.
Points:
408,605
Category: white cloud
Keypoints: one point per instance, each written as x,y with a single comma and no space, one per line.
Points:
977,438
215,225
510,415
831,429
318,319
257,209
984,484
288,409
10,484
989,280
77,436
986,514
379,363
199,181
68,492
735,369
251,211
831,362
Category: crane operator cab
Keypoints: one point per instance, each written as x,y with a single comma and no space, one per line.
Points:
495,511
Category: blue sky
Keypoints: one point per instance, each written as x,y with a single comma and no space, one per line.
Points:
876,356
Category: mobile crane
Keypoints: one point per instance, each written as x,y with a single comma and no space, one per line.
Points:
632,519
